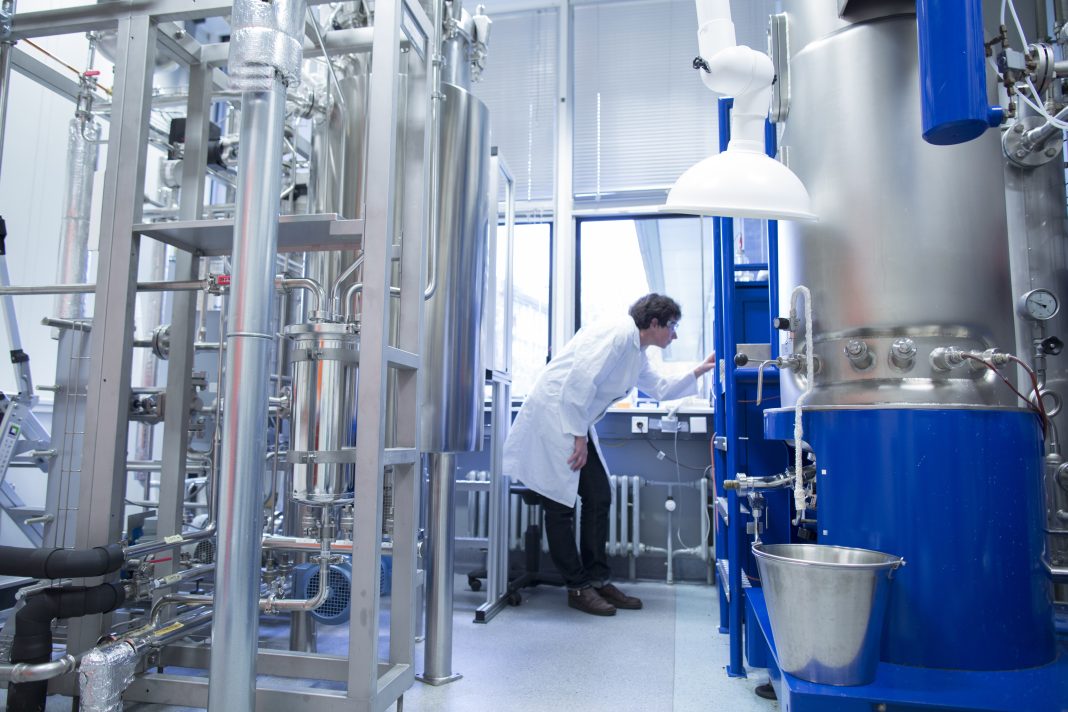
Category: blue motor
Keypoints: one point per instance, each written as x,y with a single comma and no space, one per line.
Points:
335,610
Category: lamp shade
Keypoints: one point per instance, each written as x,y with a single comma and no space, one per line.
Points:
743,184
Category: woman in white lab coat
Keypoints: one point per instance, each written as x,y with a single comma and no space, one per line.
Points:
552,447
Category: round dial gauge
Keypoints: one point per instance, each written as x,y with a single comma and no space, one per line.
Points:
1039,304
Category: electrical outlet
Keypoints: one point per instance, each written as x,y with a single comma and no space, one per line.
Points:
699,424
639,424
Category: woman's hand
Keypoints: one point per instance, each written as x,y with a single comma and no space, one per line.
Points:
705,366
578,455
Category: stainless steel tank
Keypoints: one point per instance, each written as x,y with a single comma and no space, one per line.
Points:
911,245
338,165
453,383
322,452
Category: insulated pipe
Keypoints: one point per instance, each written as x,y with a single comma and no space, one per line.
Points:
61,563
83,135
440,528
103,676
33,633
105,671
953,72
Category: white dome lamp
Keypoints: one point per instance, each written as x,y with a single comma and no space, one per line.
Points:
742,181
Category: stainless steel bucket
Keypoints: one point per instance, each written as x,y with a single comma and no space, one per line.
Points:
827,605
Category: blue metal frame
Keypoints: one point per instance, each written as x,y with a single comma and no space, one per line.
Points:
1027,674
742,315
902,688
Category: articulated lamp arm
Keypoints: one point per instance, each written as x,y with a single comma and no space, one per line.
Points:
741,181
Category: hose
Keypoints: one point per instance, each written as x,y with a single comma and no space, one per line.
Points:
33,633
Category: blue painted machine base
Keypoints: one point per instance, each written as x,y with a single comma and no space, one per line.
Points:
900,688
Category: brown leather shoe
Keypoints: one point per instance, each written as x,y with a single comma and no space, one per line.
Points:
588,601
619,599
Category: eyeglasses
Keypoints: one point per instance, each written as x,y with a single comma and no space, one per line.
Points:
673,325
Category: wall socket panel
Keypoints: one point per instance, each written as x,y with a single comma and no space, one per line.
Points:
639,424
669,426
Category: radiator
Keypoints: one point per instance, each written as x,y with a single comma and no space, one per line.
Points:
624,520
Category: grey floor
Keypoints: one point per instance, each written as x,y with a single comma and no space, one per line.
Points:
543,655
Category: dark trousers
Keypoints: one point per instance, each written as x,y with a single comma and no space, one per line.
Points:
586,564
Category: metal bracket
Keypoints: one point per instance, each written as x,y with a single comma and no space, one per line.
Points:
779,49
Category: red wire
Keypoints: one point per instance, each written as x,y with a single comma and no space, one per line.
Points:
1039,411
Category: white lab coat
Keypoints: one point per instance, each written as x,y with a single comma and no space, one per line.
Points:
600,365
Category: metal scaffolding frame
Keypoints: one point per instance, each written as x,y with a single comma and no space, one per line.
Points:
393,231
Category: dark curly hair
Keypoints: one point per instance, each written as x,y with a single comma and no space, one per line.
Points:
654,306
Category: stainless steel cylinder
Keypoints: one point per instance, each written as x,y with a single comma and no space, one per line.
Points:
441,530
339,149
911,239
453,395
339,146
325,360
251,328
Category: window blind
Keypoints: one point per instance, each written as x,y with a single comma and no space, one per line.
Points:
642,114
519,87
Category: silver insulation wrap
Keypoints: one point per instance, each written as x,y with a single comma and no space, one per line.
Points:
267,38
103,676
82,140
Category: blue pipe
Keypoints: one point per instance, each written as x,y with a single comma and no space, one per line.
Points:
720,419
720,412
735,532
953,72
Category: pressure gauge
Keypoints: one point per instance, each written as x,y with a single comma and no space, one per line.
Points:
1039,305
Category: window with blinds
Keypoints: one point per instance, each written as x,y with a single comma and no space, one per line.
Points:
519,87
642,114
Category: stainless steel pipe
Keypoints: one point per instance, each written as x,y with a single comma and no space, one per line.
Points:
27,672
152,547
441,529
240,496
191,285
